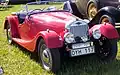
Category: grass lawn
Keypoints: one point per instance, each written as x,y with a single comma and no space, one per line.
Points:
16,61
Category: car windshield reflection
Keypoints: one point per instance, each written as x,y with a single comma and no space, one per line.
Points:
42,6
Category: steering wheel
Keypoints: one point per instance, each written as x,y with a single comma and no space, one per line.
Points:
34,11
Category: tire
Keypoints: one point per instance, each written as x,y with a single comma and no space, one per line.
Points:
49,58
106,49
107,19
8,34
92,10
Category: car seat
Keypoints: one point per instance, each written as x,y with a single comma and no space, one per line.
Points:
21,16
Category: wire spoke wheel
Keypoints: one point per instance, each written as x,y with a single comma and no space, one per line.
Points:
106,49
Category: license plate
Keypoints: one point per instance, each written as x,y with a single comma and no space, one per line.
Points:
82,51
82,45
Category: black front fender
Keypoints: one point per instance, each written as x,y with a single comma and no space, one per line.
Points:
109,10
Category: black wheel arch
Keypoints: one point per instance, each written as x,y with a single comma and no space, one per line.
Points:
12,21
109,10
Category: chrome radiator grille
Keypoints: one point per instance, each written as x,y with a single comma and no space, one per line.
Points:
79,30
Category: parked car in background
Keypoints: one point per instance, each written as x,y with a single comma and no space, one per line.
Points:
52,33
4,3
101,10
107,14
19,1
89,8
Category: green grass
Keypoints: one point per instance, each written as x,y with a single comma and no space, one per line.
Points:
17,61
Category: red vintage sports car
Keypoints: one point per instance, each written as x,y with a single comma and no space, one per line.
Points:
50,32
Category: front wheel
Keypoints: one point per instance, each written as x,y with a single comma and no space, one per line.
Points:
106,49
49,58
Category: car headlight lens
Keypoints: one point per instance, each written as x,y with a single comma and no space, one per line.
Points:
96,34
69,37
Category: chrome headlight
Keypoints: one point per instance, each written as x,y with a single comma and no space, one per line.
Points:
69,37
96,33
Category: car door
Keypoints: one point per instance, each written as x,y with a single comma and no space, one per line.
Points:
35,26
82,6
24,28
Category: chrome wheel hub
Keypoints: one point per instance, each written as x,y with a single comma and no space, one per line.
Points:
45,56
9,35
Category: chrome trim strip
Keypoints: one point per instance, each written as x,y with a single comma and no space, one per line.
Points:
117,24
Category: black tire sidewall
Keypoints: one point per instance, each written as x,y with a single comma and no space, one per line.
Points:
39,51
114,49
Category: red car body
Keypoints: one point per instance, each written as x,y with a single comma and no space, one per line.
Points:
27,33
51,27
